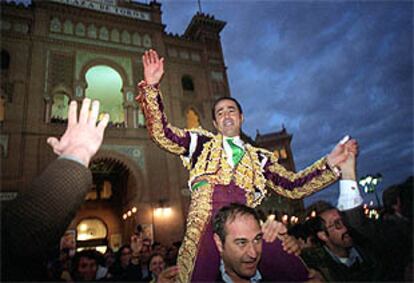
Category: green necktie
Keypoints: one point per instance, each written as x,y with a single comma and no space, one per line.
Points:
237,151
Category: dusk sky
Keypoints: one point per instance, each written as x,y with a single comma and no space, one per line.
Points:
323,69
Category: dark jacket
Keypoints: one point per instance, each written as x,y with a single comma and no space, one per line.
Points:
369,269
35,220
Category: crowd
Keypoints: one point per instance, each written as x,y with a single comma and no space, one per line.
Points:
225,239
137,261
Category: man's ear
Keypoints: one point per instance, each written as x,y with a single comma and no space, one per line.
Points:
241,118
218,242
322,235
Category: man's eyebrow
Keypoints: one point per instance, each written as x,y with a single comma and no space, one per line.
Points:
219,109
229,107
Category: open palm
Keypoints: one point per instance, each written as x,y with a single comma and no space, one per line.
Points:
153,67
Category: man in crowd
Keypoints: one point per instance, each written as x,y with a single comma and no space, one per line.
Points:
85,266
341,258
238,237
343,255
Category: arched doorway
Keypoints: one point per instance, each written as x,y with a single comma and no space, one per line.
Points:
99,222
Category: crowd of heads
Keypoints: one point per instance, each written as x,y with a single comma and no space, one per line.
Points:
238,237
92,265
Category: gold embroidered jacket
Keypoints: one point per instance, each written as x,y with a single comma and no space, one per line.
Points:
203,155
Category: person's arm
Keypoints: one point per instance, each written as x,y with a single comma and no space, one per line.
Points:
273,229
168,137
301,184
349,194
37,219
308,181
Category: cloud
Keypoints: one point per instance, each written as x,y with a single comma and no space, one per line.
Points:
325,69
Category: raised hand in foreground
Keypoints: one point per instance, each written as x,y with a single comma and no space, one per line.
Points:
153,67
83,136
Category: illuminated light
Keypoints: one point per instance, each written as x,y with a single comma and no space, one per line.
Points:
375,181
313,213
124,216
129,213
292,219
371,203
365,205
83,227
83,237
271,217
167,211
134,209
158,212
285,218
369,179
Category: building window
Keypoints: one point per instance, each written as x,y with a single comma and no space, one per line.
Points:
280,153
5,60
59,108
283,153
105,84
193,120
187,83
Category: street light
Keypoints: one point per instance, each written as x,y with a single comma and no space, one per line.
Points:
369,184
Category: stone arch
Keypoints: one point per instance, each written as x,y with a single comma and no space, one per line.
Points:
61,89
133,168
57,108
55,25
107,62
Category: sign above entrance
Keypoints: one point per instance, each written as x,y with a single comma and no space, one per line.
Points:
107,6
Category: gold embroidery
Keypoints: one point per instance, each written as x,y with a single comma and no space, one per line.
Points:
319,182
153,118
198,216
247,174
